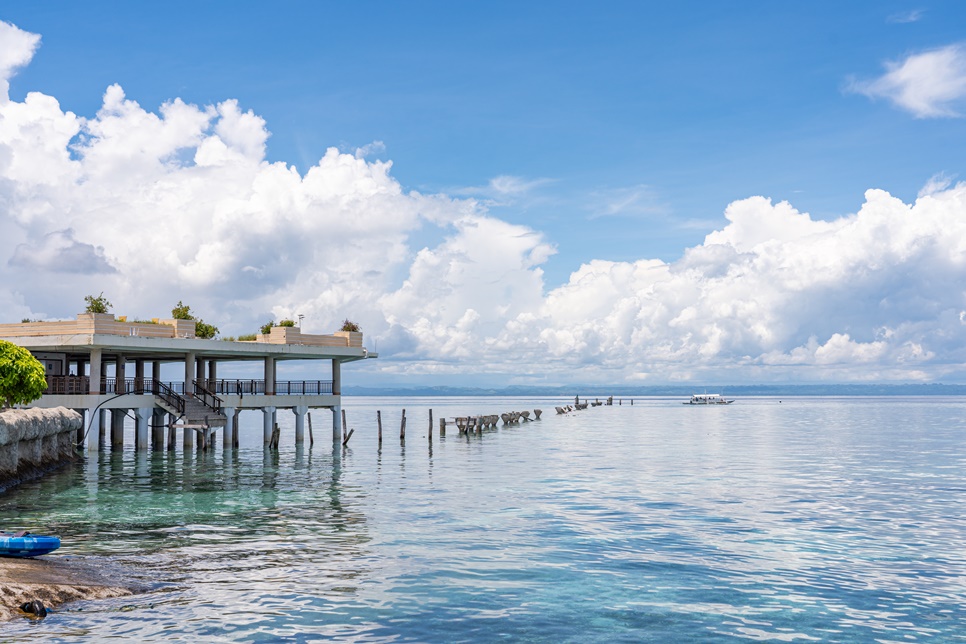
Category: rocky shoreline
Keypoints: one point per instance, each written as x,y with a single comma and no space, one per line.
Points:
54,581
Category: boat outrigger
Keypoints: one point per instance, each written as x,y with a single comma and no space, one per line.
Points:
708,399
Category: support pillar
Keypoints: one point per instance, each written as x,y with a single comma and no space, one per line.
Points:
102,426
269,376
230,427
337,424
157,428
92,437
143,416
156,370
212,373
200,368
120,374
300,411
268,423
117,427
95,382
189,372
188,440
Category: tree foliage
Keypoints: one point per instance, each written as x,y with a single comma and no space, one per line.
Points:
267,327
288,323
22,378
203,330
182,312
98,304
349,325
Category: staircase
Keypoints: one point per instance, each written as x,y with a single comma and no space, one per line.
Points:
198,413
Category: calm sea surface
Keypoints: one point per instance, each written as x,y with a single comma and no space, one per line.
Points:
800,519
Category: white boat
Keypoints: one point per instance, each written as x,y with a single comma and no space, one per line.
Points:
708,399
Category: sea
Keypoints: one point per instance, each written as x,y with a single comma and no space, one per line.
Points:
803,519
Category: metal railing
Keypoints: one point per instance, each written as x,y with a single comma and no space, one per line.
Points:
81,386
207,390
207,397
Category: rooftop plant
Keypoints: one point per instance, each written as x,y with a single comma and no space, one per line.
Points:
203,330
349,325
98,304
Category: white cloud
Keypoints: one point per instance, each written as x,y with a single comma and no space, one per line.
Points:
17,48
635,201
905,17
937,183
928,84
152,207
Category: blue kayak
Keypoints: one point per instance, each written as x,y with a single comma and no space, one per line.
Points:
24,544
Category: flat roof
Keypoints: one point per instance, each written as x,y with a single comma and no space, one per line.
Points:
79,345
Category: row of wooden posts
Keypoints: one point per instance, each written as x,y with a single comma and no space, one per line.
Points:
465,424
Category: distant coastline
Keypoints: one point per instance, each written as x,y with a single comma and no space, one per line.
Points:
933,389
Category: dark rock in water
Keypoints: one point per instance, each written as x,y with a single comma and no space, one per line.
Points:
34,608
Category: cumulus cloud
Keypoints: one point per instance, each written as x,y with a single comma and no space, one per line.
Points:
152,206
928,84
17,48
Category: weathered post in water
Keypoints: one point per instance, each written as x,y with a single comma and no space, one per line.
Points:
430,432
402,427
311,438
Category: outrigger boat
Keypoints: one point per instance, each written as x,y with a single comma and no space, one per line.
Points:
25,544
708,399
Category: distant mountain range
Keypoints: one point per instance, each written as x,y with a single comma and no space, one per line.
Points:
601,391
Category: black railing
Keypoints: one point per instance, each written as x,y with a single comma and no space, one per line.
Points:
206,390
81,386
207,397
168,395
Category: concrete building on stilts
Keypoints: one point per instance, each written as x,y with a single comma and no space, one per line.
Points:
104,367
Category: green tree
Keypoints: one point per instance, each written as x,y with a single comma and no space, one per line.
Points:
267,327
182,312
349,325
22,377
288,323
203,330
97,304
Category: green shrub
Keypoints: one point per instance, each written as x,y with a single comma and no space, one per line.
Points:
349,325
204,330
97,304
267,328
289,323
248,337
22,378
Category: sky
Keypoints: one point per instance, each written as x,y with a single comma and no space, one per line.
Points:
503,193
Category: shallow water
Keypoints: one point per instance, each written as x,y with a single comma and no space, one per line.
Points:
805,519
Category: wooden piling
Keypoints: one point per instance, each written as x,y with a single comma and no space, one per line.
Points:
345,441
343,423
311,438
430,432
402,426
379,421
442,426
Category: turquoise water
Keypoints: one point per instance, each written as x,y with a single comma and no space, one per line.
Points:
813,519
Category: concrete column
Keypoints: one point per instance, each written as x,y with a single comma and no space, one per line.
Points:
300,411
337,424
270,376
189,372
92,437
117,427
172,432
157,428
102,425
234,437
336,377
227,436
143,416
95,371
120,372
212,370
188,440
139,373
268,423
200,368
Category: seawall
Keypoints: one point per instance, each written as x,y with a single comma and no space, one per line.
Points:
35,441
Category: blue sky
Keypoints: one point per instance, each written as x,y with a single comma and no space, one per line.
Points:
614,131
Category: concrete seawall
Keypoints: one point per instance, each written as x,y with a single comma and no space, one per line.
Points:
34,441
